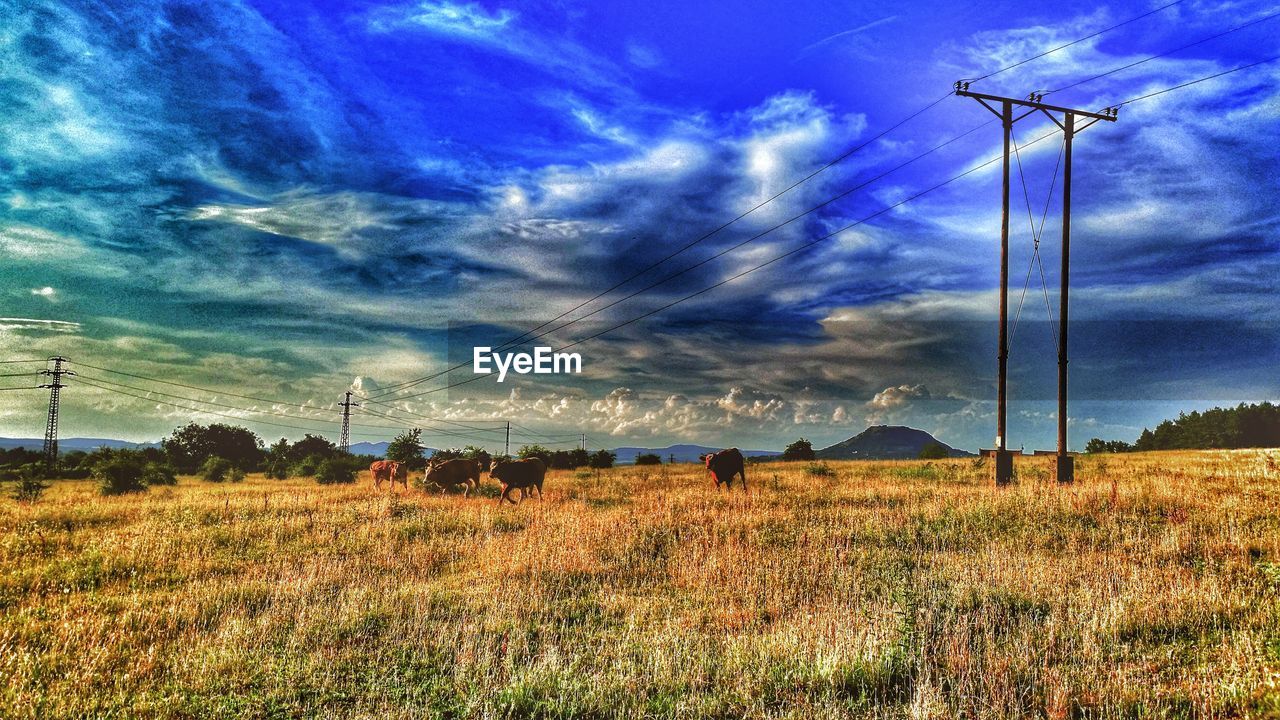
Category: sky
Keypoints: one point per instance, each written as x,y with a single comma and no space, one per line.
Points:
275,203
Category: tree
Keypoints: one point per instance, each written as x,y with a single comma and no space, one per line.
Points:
799,450
648,459
602,459
934,451
30,485
311,445
1098,445
215,469
337,470
531,451
579,457
119,472
278,460
191,445
447,454
407,448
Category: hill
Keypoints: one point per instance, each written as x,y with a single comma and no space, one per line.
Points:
683,453
69,444
885,442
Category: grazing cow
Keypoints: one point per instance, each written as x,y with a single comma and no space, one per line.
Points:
388,469
724,465
451,473
523,474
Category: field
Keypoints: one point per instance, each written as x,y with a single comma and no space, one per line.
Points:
1149,588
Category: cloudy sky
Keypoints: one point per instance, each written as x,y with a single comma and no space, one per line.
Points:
276,202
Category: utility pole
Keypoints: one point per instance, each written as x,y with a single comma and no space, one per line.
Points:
345,441
584,441
51,426
1065,467
507,451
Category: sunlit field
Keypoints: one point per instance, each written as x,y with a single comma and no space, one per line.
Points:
1149,588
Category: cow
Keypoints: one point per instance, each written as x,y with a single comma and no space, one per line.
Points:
388,469
451,473
523,474
724,465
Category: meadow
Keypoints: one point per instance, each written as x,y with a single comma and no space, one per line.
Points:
1149,588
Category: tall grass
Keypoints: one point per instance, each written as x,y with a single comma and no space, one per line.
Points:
1150,588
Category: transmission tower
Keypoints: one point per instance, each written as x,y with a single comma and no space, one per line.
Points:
345,441
56,373
1034,104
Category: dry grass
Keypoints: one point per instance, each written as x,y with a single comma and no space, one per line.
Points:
1150,588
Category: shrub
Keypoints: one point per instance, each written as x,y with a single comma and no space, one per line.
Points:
278,469
235,475
602,459
215,469
30,485
309,466
336,471
799,450
119,473
155,473
648,459
819,470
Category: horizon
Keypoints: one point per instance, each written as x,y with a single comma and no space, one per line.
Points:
287,201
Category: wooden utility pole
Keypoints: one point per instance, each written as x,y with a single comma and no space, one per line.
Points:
1065,467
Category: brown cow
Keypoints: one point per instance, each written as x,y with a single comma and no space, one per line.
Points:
724,465
388,469
523,474
451,473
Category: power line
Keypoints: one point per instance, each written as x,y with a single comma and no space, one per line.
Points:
1074,42
767,263
1197,80
404,385
189,387
212,412
1163,54
839,196
32,360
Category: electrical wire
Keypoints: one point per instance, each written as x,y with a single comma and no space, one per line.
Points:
1163,54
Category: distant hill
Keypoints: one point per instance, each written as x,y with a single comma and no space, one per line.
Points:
683,453
378,448
69,444
885,442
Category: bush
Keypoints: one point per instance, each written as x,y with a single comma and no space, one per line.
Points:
819,470
119,473
235,475
648,459
309,466
215,469
30,485
799,450
155,473
278,469
602,459
336,471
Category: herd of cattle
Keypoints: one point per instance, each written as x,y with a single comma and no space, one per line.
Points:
524,475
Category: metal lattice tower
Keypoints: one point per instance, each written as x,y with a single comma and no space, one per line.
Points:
345,442
56,373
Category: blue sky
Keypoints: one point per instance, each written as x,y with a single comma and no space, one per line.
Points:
286,200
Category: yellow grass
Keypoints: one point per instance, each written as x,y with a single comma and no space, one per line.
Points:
1150,588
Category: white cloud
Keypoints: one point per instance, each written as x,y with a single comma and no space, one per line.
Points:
46,292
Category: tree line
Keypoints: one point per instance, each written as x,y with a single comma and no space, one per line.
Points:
1243,426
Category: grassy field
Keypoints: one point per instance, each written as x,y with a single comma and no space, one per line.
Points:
1150,588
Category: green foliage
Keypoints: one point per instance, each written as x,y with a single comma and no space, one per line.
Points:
308,466
648,459
819,470
602,459
407,449
310,445
277,469
29,483
154,473
235,475
190,446
569,459
447,454
119,472
215,469
538,451
1098,445
1244,426
337,471
934,451
799,450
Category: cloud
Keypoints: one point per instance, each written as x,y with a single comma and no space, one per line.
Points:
45,292
893,398
468,21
